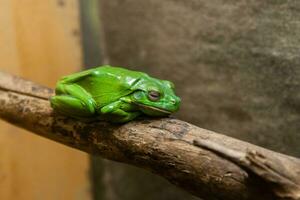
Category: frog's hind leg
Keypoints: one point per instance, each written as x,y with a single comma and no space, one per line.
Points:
70,106
78,97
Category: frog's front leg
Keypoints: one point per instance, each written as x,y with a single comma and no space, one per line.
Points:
73,100
119,112
123,103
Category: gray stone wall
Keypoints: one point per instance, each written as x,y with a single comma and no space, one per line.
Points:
235,63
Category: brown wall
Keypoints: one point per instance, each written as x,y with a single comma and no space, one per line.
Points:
40,40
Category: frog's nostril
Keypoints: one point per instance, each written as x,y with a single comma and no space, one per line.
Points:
175,101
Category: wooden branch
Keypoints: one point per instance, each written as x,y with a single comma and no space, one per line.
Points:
209,165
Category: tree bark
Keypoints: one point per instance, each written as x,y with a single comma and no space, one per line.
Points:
207,164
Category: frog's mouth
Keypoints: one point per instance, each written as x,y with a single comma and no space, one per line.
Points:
154,109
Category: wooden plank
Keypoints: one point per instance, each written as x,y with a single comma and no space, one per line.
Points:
40,40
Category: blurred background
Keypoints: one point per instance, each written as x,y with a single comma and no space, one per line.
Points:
235,65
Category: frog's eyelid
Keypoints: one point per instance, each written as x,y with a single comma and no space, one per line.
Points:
154,89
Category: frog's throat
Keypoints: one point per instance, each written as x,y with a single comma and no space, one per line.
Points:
154,108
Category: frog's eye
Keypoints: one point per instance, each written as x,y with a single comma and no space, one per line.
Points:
153,95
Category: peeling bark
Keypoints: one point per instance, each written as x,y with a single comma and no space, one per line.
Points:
207,164
284,181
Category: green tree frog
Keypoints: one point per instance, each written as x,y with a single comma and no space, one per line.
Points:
114,94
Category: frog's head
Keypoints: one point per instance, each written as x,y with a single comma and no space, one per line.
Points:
155,97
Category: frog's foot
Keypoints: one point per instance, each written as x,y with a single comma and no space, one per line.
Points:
118,112
71,106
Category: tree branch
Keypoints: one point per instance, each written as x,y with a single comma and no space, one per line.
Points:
207,164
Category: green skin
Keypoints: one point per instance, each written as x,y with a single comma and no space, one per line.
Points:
114,94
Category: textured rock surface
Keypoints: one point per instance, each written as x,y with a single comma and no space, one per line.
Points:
235,63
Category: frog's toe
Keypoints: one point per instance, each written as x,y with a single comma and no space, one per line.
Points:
129,117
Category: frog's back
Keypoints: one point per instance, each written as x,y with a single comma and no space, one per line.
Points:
118,71
107,84
117,75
